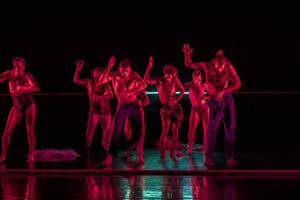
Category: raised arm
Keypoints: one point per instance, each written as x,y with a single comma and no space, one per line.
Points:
147,73
4,76
76,80
187,50
105,77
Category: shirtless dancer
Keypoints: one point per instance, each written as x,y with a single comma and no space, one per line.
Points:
143,101
20,85
127,84
199,109
219,71
171,112
99,96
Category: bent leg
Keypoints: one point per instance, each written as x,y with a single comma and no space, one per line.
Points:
13,118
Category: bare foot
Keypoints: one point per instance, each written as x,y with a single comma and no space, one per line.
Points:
108,160
140,161
2,159
30,158
231,163
179,154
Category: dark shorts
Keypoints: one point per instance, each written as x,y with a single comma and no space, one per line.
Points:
173,113
100,108
200,108
23,101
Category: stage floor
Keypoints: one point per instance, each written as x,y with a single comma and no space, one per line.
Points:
263,160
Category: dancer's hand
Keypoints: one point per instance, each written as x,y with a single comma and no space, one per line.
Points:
172,102
151,62
79,64
219,96
111,62
187,49
19,90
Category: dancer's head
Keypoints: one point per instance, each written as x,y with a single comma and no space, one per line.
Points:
18,64
219,61
169,73
197,77
125,68
96,72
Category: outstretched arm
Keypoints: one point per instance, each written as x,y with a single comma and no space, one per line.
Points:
105,77
147,78
76,80
3,76
187,50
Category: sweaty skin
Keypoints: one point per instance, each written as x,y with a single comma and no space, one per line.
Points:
20,85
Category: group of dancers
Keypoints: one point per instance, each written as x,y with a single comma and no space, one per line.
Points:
211,101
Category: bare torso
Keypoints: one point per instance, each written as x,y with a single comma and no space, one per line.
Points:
166,91
122,86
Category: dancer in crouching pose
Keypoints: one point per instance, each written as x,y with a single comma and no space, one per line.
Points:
222,80
127,84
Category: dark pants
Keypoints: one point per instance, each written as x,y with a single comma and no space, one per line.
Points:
221,111
126,110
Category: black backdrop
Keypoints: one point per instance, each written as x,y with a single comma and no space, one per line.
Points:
261,40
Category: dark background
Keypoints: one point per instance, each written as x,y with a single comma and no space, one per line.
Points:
260,38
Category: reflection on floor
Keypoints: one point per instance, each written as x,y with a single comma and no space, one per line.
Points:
148,187
286,158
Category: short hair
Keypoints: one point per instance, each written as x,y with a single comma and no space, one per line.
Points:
170,69
17,59
219,58
196,73
125,63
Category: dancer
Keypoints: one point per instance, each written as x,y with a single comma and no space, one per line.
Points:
171,112
219,72
99,96
21,84
127,84
199,109
143,101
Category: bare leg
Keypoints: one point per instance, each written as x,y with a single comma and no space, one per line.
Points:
193,122
163,136
106,129
140,144
30,120
204,119
13,118
175,131
93,120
